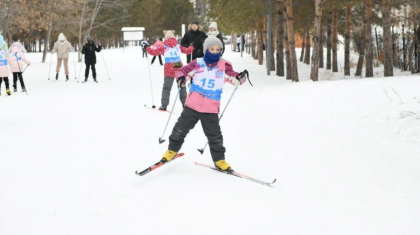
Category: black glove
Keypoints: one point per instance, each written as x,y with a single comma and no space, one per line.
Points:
181,81
177,65
242,76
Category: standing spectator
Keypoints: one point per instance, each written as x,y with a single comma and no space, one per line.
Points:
238,43
214,32
144,51
90,49
196,38
157,45
4,69
62,47
17,55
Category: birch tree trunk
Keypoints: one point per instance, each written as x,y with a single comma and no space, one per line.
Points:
253,52
329,22
316,37
394,49
98,5
347,40
361,51
410,56
291,36
280,36
368,41
82,17
334,39
260,46
273,63
388,68
308,46
302,52
321,47
48,33
286,40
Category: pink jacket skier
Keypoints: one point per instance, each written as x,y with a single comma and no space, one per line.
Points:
203,102
171,51
17,55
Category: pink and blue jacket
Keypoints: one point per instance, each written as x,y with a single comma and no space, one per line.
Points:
207,82
169,68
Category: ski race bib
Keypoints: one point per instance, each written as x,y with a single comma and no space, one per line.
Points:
3,60
172,54
208,81
17,55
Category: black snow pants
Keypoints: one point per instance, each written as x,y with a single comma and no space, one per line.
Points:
93,71
6,81
17,76
211,128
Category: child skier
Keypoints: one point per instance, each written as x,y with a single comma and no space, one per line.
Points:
62,47
4,70
17,55
158,43
207,75
171,51
90,56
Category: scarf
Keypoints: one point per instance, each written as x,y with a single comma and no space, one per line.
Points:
211,58
214,33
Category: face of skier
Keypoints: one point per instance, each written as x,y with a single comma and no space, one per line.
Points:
212,29
194,27
86,41
215,49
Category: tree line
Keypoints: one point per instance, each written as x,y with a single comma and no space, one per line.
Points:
39,22
381,32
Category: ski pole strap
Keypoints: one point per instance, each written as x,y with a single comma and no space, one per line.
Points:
247,75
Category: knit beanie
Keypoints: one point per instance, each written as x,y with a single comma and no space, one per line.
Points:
169,33
195,22
61,37
88,38
213,25
212,41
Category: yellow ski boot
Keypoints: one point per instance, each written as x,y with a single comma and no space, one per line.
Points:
223,165
168,155
8,92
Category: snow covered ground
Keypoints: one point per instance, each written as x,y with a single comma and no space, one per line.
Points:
345,152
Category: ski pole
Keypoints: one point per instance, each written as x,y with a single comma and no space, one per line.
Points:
161,140
17,61
74,62
80,70
49,70
105,65
24,69
236,87
150,78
